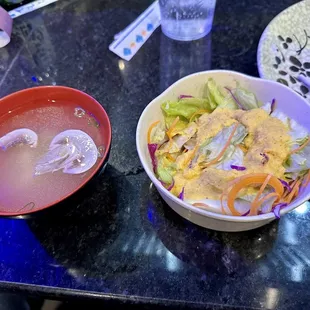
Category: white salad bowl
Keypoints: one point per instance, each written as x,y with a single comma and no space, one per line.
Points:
288,102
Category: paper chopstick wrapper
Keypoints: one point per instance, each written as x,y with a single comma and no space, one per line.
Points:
130,40
27,8
5,27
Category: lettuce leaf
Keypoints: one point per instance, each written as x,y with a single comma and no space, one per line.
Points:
248,197
246,98
214,94
239,135
220,98
164,175
165,169
299,161
185,107
159,135
233,156
297,132
185,134
213,146
238,98
177,142
228,103
181,124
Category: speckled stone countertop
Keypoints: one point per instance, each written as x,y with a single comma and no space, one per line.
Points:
122,243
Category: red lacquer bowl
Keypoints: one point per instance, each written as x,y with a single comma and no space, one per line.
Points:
41,97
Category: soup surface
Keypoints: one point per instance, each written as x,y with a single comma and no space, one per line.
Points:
20,189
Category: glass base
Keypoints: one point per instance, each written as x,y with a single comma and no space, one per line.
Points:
185,38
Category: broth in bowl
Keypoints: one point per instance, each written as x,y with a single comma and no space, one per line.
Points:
35,176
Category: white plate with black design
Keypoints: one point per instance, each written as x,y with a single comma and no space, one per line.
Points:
284,48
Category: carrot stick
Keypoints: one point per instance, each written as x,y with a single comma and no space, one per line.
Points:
170,157
306,179
261,201
215,160
224,194
293,192
149,132
191,156
268,196
254,203
301,147
263,187
251,179
286,195
169,132
242,148
294,182
297,191
201,205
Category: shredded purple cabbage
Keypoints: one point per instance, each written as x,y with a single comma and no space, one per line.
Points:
286,185
169,188
238,168
273,106
181,195
166,186
152,149
190,165
246,213
276,210
185,96
235,98
265,158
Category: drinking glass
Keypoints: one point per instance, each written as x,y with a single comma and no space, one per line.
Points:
186,20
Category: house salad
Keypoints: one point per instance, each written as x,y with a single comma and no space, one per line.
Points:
229,148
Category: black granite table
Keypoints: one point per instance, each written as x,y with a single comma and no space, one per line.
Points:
121,243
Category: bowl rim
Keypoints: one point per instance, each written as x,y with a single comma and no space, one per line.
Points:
99,164
217,216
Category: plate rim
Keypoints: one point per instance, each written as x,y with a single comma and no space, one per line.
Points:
264,34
